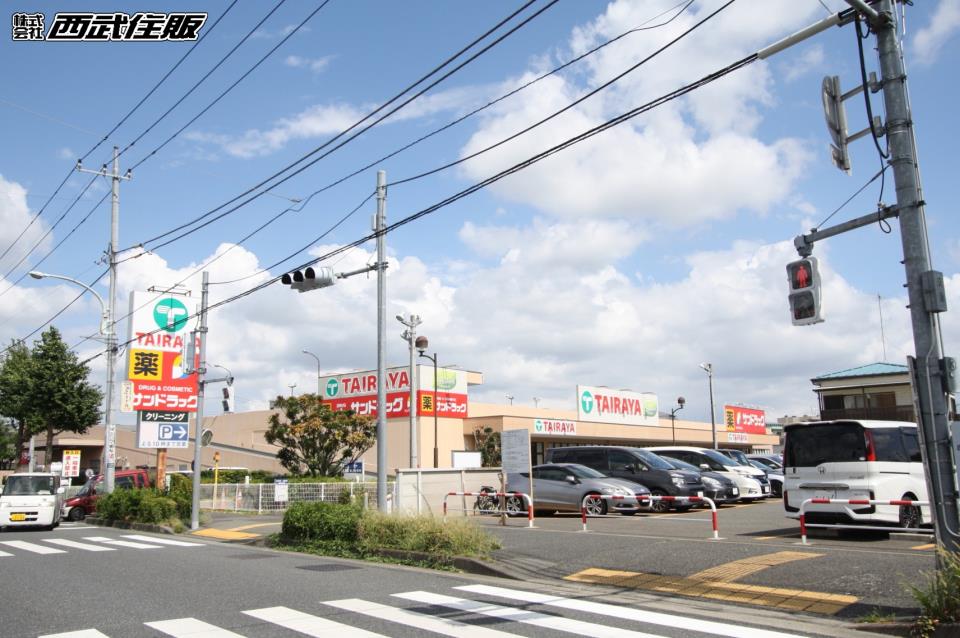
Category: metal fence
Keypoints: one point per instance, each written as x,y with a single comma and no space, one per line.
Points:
266,497
422,491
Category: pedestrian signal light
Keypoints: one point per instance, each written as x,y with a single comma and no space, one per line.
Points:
803,277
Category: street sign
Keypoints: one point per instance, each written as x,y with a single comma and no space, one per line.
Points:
281,492
126,396
353,468
158,429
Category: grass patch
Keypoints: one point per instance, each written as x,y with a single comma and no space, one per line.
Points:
939,597
877,616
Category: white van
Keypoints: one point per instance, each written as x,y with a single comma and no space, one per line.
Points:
31,499
752,483
848,459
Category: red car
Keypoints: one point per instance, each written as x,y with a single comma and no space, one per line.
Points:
85,502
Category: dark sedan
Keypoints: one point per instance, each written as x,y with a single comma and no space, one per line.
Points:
717,487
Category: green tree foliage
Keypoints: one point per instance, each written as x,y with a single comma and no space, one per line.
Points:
316,440
17,395
488,442
8,439
61,396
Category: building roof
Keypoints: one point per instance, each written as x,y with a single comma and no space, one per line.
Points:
869,370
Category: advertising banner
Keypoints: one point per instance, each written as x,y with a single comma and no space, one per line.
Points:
357,391
71,463
162,429
603,405
553,426
159,324
740,419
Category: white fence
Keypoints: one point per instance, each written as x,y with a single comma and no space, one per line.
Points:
262,497
422,491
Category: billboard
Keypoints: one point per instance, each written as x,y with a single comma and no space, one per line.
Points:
357,391
748,420
159,324
603,405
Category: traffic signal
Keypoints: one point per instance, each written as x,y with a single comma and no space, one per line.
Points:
309,278
227,397
803,276
836,117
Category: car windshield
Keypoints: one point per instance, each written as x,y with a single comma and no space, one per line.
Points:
738,456
28,485
722,459
680,465
654,461
582,471
87,488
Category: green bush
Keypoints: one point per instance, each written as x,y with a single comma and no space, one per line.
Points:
321,522
181,491
120,505
155,508
939,598
455,537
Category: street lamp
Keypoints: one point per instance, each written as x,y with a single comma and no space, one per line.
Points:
422,344
673,417
292,386
108,337
509,398
307,352
536,402
708,368
409,335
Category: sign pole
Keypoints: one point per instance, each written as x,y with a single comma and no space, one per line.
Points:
161,468
381,343
198,417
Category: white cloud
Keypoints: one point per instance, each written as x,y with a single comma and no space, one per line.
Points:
15,217
315,65
66,153
944,23
808,62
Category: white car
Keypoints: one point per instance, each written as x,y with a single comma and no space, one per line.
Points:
751,481
31,499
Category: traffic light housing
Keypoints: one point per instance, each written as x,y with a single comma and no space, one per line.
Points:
227,397
803,277
309,278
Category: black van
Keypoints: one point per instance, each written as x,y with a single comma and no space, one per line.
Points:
637,465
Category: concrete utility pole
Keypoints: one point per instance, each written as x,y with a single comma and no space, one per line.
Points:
198,425
924,286
379,225
110,427
410,336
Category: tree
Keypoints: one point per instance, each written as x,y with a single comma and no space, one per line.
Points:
62,397
16,394
488,442
8,450
316,440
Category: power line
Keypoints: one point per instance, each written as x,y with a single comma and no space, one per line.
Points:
399,95
37,215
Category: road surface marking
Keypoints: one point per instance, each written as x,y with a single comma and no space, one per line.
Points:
190,628
445,626
224,534
243,527
75,545
927,546
558,623
309,625
162,541
2,554
735,570
626,613
30,547
83,633
113,541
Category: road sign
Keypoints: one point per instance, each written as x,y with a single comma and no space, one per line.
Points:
158,429
353,468
281,492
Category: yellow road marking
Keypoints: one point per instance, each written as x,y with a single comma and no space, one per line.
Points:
224,534
765,538
927,546
735,570
243,527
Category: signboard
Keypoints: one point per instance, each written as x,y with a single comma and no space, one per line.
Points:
515,459
553,426
465,459
159,324
740,419
737,437
281,493
71,463
161,429
357,391
353,468
126,396
603,405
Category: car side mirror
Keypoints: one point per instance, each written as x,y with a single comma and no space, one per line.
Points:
61,490
572,480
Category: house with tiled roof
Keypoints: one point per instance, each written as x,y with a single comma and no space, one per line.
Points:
878,391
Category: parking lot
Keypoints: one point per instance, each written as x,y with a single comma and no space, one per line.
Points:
758,560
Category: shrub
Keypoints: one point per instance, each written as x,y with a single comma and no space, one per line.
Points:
121,505
321,522
939,598
456,537
155,508
181,491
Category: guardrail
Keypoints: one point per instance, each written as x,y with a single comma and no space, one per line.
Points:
856,501
526,499
646,499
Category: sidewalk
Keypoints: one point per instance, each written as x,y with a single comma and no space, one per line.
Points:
239,527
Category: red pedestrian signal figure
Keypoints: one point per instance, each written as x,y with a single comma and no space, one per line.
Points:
804,279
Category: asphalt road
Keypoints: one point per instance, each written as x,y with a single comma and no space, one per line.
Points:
81,581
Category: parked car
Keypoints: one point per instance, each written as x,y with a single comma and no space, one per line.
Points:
564,486
717,487
773,461
746,478
774,476
84,503
740,457
636,465
31,499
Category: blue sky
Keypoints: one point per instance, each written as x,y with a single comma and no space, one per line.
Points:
624,261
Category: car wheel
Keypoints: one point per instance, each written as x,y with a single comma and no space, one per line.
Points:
77,514
776,489
910,514
658,505
515,506
595,505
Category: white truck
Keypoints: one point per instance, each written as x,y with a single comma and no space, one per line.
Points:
31,499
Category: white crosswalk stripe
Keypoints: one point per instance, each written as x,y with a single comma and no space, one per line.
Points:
190,628
444,626
83,633
313,626
32,547
2,554
161,541
627,613
87,547
114,541
578,627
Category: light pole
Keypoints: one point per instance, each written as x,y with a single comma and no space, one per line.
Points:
536,402
422,344
673,417
108,336
307,352
292,386
509,398
708,368
409,335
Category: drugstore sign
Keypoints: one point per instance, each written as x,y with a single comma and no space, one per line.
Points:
357,391
740,419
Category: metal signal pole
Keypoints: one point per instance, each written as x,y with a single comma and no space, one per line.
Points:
198,417
381,342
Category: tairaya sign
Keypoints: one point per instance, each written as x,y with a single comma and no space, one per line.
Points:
603,405
357,391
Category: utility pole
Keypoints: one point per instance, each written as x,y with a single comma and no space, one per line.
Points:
924,286
379,225
110,427
410,336
198,423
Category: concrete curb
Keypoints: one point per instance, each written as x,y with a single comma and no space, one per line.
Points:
139,527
